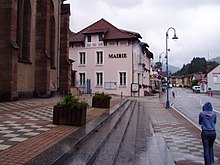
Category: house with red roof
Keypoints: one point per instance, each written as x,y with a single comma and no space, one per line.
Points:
213,79
111,60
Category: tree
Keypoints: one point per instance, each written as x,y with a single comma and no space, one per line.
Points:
195,82
158,65
197,65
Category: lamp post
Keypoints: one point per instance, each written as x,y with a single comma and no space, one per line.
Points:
174,37
160,70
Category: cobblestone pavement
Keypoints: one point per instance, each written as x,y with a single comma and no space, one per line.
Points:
24,119
26,130
182,138
182,144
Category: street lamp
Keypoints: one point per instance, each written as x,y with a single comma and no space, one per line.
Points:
174,37
160,70
160,56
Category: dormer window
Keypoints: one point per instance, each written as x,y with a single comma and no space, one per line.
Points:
89,38
100,37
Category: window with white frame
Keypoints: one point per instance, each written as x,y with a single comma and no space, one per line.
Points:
82,58
99,57
111,43
99,79
82,79
89,38
100,37
122,78
216,78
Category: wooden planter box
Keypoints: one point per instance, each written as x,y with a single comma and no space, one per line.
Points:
66,116
101,102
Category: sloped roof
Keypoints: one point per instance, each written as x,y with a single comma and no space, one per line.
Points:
150,54
133,33
102,26
198,76
214,68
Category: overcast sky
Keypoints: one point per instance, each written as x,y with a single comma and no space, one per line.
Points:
197,24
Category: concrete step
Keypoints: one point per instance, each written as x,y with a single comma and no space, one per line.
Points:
123,135
151,149
61,151
126,152
143,130
85,153
109,150
75,91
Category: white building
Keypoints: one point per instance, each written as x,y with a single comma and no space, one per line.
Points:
213,79
110,60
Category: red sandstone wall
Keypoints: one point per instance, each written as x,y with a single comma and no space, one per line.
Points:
37,76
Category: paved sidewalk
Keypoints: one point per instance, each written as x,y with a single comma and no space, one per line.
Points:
26,130
183,138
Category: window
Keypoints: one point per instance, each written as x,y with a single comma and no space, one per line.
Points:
18,21
122,78
24,31
82,79
52,42
89,39
216,78
100,37
99,57
99,79
123,42
111,43
82,58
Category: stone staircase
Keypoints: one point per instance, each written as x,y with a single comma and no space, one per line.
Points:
87,150
120,136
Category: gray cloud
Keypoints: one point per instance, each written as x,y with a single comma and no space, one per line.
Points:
124,3
196,22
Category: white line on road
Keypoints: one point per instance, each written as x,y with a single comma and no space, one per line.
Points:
204,103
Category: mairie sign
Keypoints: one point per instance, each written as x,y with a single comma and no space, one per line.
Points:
118,55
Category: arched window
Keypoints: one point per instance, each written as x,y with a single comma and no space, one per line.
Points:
26,31
52,41
18,21
52,36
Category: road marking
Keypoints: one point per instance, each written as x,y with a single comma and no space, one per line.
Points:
192,122
204,103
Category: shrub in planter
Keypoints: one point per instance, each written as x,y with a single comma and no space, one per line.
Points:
70,111
101,100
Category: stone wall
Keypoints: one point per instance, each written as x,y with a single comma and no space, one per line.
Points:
26,69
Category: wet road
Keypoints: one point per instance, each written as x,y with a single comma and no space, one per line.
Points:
190,104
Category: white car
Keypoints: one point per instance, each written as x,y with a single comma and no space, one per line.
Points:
196,89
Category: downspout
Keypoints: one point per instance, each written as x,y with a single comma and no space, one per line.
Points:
132,60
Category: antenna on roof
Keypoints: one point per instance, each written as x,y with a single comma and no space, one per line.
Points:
208,55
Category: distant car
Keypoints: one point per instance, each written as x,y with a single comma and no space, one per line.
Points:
196,89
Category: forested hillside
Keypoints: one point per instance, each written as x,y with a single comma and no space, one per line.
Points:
197,65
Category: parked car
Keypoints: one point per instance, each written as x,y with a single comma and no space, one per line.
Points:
196,89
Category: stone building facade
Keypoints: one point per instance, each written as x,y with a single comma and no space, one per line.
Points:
111,60
34,58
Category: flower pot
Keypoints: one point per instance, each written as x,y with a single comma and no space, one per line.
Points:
101,102
67,116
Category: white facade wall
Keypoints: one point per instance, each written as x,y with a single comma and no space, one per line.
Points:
131,62
213,79
141,65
